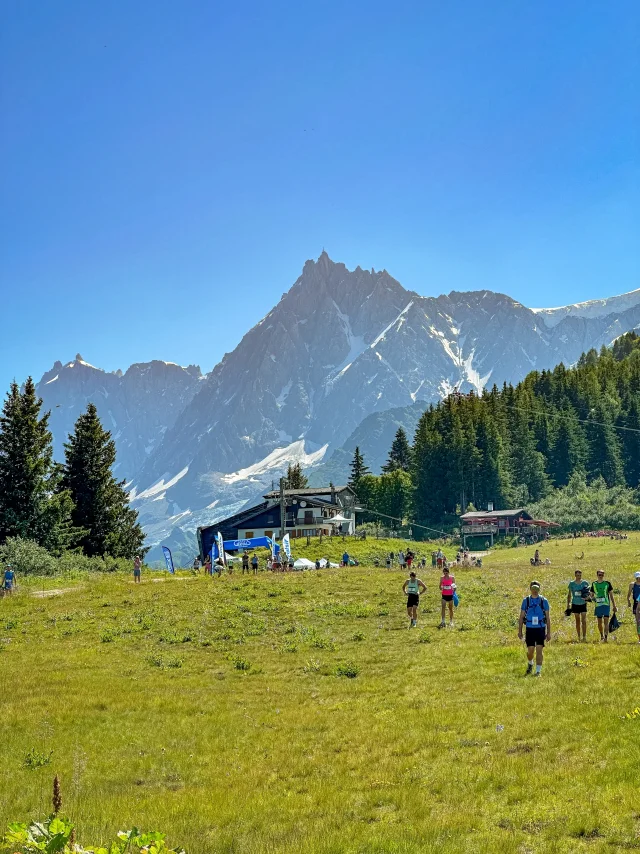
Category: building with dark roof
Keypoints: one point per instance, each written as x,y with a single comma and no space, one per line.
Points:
501,523
311,512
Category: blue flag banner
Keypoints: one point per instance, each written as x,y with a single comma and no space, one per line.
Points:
286,545
168,559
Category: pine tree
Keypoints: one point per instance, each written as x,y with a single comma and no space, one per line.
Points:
399,455
630,438
604,447
358,470
28,477
568,453
394,497
295,478
101,503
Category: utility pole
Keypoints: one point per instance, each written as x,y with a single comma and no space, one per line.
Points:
283,510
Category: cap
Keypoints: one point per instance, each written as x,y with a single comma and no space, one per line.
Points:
535,584
636,575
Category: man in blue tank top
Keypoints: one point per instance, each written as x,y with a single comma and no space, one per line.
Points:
534,614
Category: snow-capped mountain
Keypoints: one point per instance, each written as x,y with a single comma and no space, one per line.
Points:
138,407
339,346
595,308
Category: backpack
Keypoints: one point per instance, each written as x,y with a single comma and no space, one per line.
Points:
544,613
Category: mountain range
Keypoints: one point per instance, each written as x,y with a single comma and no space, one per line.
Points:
344,358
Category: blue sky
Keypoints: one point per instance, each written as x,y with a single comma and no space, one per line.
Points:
168,167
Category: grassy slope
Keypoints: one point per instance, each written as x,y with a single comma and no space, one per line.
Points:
290,757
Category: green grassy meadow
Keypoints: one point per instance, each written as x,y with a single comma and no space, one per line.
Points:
296,713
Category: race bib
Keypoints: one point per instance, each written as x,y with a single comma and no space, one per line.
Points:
534,621
601,600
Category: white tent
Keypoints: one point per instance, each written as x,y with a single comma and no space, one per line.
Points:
303,563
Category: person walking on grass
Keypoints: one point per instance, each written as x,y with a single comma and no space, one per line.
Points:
534,616
137,567
413,587
207,565
447,589
9,580
633,594
602,593
577,598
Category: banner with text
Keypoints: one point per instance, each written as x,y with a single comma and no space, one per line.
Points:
168,559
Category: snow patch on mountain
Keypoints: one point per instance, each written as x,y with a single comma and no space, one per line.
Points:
278,459
399,320
473,375
159,487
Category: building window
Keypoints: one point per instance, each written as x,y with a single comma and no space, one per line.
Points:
269,534
308,517
247,535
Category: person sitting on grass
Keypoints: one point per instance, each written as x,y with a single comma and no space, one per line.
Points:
634,593
9,580
413,587
577,599
534,614
137,566
602,593
447,589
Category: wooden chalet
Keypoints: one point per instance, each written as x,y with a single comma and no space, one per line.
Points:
491,524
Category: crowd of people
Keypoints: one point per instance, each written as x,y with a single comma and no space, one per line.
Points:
534,622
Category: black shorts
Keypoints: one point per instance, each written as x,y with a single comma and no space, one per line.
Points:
535,636
579,609
413,599
446,597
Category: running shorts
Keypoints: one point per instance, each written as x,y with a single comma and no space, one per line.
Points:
413,599
535,636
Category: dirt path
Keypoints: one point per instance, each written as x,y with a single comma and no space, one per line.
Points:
56,591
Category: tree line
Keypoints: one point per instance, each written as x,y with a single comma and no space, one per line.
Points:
75,505
513,446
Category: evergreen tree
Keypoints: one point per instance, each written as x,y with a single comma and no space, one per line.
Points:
604,447
568,453
630,438
400,454
101,503
358,470
28,477
394,497
295,478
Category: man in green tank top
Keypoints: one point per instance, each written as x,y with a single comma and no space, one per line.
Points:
602,594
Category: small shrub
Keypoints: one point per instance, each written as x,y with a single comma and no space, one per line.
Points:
107,637
350,670
312,666
27,557
424,637
34,759
357,636
242,664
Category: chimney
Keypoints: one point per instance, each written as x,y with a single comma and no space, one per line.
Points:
490,507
